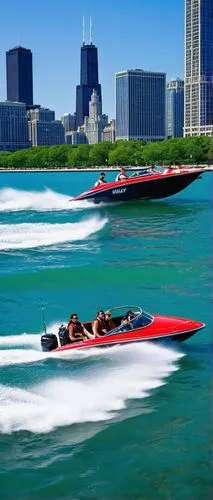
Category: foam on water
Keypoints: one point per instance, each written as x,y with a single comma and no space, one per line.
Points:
98,395
10,357
25,339
32,235
17,200
27,348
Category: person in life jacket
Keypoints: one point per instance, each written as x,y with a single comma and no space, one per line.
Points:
76,329
101,179
100,326
122,175
109,321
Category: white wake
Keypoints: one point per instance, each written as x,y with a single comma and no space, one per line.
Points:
32,235
47,200
99,394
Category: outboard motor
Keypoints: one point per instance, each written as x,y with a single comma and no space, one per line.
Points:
63,335
49,342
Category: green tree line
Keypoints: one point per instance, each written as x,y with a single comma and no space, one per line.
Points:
192,150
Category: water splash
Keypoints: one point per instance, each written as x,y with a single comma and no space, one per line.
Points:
47,200
100,394
23,340
33,235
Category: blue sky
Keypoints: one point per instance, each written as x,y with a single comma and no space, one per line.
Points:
145,34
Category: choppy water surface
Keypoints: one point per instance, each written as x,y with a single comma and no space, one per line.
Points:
126,422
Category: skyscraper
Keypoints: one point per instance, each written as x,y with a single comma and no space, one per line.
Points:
19,75
140,105
198,113
69,122
88,80
44,130
175,108
13,126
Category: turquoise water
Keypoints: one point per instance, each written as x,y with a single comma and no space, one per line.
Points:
129,422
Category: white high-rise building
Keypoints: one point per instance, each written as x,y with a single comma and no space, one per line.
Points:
198,109
94,124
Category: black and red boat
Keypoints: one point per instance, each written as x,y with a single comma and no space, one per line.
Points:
142,327
149,184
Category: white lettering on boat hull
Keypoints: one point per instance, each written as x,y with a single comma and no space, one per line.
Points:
119,191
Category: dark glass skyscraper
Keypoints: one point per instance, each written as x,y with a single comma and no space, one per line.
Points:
88,81
20,75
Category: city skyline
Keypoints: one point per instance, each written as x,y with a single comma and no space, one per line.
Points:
143,38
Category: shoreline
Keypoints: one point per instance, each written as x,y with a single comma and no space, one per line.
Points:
92,169
66,169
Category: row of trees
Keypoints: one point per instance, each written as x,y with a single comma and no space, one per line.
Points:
180,151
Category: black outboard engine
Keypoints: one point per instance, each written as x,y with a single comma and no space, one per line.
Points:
63,335
49,342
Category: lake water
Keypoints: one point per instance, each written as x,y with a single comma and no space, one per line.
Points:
128,422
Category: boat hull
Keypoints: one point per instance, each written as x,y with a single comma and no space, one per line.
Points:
153,187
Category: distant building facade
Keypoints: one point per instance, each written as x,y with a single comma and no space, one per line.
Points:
88,81
69,122
19,75
76,137
140,105
44,130
42,114
13,126
175,108
105,120
198,113
109,132
94,123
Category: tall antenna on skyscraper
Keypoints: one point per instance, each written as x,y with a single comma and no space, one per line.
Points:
90,30
83,31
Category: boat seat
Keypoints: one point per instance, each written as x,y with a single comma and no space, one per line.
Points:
88,326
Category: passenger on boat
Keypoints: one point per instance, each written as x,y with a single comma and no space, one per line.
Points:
99,326
76,329
122,175
130,315
101,180
124,321
125,325
109,321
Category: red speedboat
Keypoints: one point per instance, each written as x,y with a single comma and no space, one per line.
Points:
148,184
142,327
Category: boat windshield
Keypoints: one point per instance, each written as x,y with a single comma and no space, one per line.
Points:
139,173
154,169
127,318
158,170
